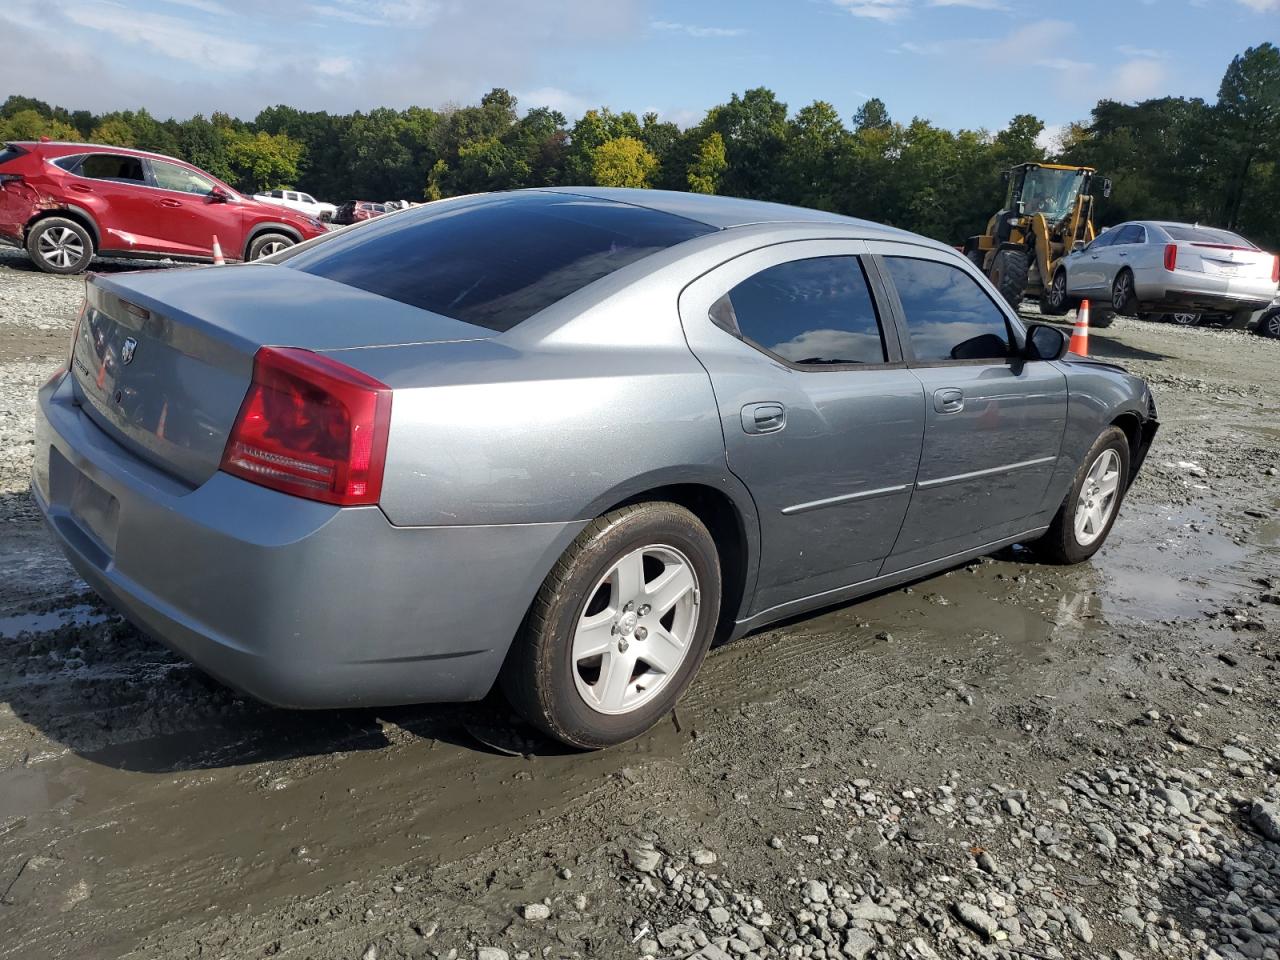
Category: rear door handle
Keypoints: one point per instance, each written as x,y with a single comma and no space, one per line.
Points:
763,417
166,202
948,400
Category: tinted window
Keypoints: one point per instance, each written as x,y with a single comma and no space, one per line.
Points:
496,262
1206,235
68,163
1103,240
1129,233
110,166
171,176
816,311
949,317
9,153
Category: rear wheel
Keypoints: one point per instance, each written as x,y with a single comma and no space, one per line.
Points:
1009,274
1087,514
619,627
1053,302
265,244
1269,326
1123,298
977,258
1183,319
1102,318
60,245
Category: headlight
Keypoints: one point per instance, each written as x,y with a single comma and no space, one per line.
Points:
316,223
1012,221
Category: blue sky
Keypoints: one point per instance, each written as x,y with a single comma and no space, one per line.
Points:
934,58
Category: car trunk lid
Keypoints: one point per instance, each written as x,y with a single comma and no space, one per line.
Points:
162,359
1224,260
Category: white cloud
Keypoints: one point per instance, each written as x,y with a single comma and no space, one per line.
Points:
972,4
1261,6
335,66
167,36
882,10
1051,136
1128,50
696,31
570,104
1137,80
1063,63
381,13
204,6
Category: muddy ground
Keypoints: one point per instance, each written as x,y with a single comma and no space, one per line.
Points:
1007,760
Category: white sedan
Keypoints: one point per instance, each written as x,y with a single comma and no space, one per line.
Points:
296,200
1157,267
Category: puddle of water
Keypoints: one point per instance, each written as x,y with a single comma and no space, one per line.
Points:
81,615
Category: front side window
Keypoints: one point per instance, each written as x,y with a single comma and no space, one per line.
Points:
807,312
306,198
112,166
1129,233
949,316
1104,239
171,176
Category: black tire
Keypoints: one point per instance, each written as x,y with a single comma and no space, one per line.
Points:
60,245
540,678
1009,271
1054,301
1269,325
265,244
1102,318
1060,544
1123,297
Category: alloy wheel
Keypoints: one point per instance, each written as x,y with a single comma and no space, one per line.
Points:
1098,497
1271,325
1122,292
1058,290
1185,319
636,629
61,246
270,247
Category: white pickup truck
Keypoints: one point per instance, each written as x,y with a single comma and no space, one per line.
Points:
303,202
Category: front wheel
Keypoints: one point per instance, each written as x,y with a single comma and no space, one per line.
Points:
264,245
1053,302
1009,272
1087,514
619,627
1184,319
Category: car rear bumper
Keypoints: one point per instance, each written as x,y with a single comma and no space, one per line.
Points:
296,603
1201,294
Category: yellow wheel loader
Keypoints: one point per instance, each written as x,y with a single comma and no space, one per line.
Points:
1048,211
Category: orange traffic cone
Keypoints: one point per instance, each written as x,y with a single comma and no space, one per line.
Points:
1080,332
218,260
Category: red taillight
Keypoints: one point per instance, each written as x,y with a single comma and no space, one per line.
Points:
312,427
1171,256
1275,269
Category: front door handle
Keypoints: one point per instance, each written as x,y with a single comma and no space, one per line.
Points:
948,400
82,187
764,417
166,202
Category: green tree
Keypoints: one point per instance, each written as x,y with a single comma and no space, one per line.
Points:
754,128
28,124
705,172
115,131
816,142
622,162
263,161
1247,124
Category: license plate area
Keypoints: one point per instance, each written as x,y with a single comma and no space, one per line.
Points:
97,511
1220,269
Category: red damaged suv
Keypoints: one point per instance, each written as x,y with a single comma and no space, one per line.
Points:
69,202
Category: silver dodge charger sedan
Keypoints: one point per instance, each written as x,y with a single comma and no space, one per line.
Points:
1151,266
559,439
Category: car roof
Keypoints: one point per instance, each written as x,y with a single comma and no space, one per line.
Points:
66,147
724,212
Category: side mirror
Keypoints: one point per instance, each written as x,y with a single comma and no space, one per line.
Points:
1078,246
1045,342
1106,187
218,195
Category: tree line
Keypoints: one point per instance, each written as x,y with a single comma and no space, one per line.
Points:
1169,158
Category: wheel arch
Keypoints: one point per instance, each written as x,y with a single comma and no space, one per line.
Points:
75,213
1139,431
258,229
731,520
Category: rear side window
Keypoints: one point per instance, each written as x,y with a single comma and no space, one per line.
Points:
808,312
949,316
110,166
498,262
1206,235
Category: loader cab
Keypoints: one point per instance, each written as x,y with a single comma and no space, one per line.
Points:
1048,188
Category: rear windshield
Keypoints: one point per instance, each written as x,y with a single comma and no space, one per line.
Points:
499,262
10,152
1206,235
